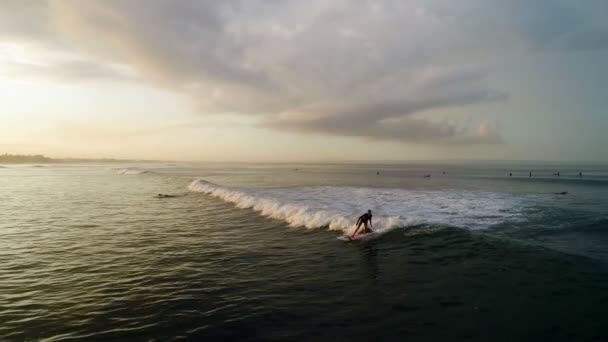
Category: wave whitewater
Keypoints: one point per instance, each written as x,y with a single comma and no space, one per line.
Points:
131,171
338,207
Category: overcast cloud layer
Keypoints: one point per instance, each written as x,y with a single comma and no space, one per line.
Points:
371,69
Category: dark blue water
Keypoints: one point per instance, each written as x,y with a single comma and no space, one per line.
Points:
250,252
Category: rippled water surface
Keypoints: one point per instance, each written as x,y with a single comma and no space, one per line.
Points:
250,252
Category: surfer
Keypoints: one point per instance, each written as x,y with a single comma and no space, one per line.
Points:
164,196
362,220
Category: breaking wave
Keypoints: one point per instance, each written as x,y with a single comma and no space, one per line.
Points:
338,207
131,171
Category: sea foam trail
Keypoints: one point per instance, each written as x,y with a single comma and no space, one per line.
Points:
338,207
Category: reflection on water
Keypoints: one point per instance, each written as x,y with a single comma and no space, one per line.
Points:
370,260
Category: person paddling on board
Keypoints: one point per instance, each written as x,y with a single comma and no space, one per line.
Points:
362,220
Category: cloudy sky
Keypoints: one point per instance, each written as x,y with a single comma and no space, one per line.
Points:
305,80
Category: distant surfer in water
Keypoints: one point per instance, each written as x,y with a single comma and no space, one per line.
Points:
362,220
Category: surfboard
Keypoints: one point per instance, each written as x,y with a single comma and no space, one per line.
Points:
358,236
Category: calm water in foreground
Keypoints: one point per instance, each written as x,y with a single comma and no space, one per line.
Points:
250,252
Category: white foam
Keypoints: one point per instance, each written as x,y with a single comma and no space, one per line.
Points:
339,207
131,171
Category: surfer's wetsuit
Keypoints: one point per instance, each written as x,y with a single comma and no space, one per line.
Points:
363,219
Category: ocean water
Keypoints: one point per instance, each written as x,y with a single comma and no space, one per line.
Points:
251,252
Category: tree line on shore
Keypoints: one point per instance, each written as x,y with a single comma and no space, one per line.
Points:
25,159
7,158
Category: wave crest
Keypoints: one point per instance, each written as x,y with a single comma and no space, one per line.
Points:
295,215
131,171
338,207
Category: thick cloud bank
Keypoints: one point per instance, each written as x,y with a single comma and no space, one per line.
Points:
371,69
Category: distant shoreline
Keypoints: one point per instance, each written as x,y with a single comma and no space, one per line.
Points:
41,159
